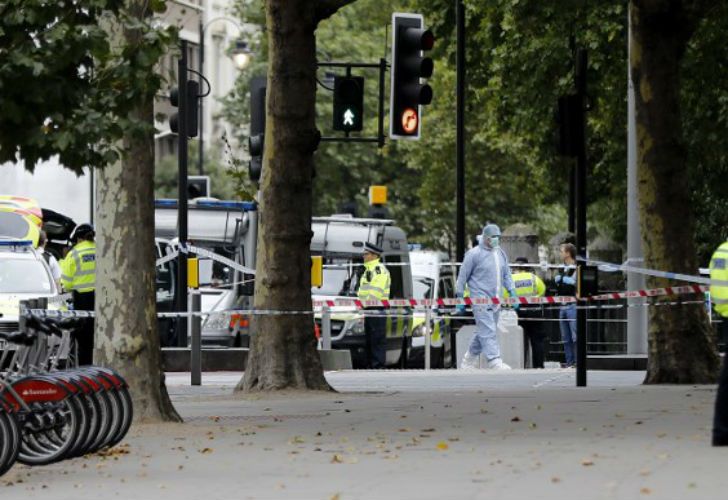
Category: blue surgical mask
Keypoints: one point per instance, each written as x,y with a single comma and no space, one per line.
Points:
494,241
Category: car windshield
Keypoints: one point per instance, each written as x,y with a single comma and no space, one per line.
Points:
338,281
422,287
24,276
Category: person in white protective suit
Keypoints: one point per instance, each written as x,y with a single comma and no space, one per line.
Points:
485,271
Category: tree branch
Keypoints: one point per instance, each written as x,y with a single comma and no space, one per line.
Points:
327,8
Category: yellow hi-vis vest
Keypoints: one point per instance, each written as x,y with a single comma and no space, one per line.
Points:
527,285
78,269
375,282
719,272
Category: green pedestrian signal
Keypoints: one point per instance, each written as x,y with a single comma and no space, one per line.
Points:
348,103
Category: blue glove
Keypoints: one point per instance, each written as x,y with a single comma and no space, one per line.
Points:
569,280
516,306
459,310
558,278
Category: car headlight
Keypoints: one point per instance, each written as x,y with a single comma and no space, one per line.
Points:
419,331
216,322
354,327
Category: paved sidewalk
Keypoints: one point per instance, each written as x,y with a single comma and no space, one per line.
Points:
414,434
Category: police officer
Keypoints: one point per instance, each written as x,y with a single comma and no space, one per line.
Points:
78,275
719,296
528,284
374,284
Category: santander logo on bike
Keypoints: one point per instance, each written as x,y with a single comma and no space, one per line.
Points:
39,392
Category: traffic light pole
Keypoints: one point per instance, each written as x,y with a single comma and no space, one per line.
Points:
459,146
580,202
182,196
382,67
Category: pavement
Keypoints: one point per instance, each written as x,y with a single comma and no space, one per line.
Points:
409,434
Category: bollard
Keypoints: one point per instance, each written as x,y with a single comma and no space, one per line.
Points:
428,340
196,331
326,327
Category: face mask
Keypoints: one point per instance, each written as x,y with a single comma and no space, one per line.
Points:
494,241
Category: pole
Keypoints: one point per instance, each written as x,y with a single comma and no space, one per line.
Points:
636,316
182,196
460,133
380,132
326,328
201,142
572,197
195,328
428,340
580,201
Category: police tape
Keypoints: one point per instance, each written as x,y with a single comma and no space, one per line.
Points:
360,313
655,273
345,305
203,252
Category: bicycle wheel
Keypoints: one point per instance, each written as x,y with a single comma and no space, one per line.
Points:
9,441
57,437
127,412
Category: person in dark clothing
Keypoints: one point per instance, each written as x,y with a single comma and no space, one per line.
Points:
530,317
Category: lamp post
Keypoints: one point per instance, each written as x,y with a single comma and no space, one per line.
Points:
240,55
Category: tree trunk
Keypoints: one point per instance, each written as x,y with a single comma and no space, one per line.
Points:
126,323
283,350
681,347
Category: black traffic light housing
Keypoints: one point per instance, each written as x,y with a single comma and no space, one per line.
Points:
348,103
409,66
256,140
190,108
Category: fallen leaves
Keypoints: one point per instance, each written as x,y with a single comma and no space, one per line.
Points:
587,462
205,451
442,446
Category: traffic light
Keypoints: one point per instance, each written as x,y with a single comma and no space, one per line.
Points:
256,141
348,103
190,108
409,67
198,186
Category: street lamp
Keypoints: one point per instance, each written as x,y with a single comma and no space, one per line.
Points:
240,55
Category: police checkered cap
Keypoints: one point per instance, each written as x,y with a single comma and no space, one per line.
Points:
372,248
491,230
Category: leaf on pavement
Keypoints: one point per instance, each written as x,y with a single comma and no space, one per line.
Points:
442,446
206,451
337,459
587,462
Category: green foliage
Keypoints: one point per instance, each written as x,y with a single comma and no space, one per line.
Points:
519,60
215,165
65,88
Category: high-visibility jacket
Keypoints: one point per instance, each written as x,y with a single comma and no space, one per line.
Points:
719,272
528,285
78,269
375,282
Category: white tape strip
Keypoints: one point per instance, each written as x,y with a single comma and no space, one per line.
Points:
657,274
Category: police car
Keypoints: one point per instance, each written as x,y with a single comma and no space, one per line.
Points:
24,275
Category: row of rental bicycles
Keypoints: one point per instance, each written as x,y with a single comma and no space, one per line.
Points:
50,408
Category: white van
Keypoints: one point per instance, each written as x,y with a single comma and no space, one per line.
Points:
432,278
339,239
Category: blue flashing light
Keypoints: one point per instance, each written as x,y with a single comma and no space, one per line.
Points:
243,206
16,243
165,203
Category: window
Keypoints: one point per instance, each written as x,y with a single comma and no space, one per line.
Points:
445,289
396,272
24,276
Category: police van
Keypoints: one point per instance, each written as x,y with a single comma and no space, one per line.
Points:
339,239
433,278
225,228
24,275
